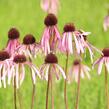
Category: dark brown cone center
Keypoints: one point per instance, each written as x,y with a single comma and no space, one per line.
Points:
29,39
105,52
76,62
50,20
4,55
19,59
69,27
51,58
13,33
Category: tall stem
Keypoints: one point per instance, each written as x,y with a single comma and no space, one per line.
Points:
52,98
15,105
78,89
33,96
65,84
106,88
33,90
18,91
19,98
47,92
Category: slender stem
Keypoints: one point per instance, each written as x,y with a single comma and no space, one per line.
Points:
106,88
33,90
15,105
19,98
18,91
65,84
33,96
47,92
78,90
52,98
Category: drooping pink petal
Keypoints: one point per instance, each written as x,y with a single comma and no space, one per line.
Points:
62,71
100,64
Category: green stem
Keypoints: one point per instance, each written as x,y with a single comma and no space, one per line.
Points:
33,90
48,84
15,104
106,88
33,97
65,84
52,98
19,93
78,89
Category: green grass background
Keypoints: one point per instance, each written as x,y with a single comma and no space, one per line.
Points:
28,17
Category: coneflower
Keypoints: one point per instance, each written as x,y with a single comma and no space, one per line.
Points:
30,48
67,47
50,6
13,40
5,67
83,44
51,38
78,71
106,22
48,69
104,59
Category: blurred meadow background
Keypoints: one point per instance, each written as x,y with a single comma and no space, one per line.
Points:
27,16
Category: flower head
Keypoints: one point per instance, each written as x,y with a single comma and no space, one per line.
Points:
104,59
50,6
84,44
51,62
67,40
51,38
77,68
106,22
18,70
50,20
5,67
13,40
29,47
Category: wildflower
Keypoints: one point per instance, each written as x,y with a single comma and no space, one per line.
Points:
51,61
104,59
67,40
5,66
77,68
82,44
18,70
106,23
29,47
50,6
13,41
51,38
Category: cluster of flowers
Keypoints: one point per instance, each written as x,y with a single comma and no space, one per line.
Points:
16,55
72,41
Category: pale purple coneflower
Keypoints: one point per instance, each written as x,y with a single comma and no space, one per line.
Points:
71,40
13,41
5,67
17,71
77,68
104,60
82,44
50,6
78,71
106,22
51,61
51,38
48,69
67,47
67,39
29,47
